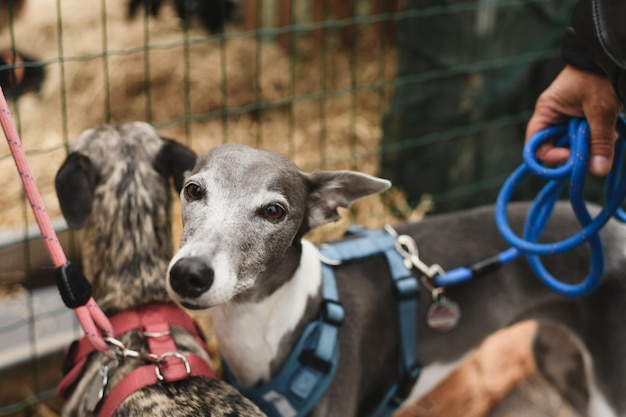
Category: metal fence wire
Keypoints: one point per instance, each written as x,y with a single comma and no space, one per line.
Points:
432,94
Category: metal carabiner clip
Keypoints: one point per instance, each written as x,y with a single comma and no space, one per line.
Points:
406,246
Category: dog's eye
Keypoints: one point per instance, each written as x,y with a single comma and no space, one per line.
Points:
193,192
273,212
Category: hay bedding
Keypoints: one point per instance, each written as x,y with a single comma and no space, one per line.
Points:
350,123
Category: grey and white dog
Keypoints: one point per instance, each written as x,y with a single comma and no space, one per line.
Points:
114,186
244,261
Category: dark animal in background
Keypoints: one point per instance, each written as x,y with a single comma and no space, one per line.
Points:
20,74
321,10
115,187
212,14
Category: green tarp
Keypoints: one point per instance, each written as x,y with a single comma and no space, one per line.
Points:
469,73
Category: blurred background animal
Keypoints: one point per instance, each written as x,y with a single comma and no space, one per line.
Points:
212,14
22,73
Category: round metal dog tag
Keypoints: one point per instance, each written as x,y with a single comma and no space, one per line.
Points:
443,315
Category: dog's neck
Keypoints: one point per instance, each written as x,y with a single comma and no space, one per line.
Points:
256,337
128,272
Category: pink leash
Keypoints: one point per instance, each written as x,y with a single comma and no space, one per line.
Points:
73,286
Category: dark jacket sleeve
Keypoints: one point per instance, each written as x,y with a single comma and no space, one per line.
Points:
597,40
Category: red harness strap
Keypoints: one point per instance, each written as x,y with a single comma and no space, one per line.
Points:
155,321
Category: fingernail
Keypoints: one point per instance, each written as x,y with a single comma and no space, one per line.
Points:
600,165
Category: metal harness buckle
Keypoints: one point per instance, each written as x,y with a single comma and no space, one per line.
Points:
177,355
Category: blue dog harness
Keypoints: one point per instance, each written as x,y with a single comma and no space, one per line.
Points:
311,366
309,369
376,242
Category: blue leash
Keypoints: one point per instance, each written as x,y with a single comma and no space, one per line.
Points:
574,135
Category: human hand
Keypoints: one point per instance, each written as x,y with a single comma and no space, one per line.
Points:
578,93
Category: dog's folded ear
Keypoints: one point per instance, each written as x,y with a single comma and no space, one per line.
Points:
333,189
175,160
75,183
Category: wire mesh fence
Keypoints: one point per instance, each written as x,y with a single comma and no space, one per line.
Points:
432,94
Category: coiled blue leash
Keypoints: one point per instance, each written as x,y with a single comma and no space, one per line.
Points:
575,135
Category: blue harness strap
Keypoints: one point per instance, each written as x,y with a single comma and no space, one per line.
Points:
308,371
376,242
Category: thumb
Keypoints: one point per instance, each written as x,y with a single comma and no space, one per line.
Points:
601,143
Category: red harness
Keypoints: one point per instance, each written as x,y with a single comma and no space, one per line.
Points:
169,365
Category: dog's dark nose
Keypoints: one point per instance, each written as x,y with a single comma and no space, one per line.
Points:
191,277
